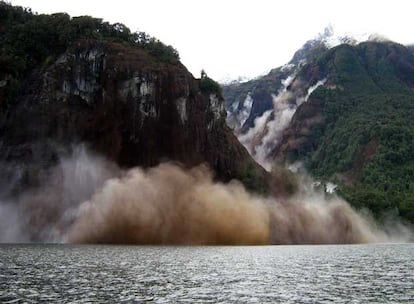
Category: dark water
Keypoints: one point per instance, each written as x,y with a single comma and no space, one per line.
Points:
274,274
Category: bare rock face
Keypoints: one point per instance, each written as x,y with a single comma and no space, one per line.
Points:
298,135
125,105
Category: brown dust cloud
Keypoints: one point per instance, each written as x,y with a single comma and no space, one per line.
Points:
87,199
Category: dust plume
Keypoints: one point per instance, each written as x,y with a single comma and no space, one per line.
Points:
321,222
168,205
86,199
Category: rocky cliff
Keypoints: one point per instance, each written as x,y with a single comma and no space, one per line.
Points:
126,105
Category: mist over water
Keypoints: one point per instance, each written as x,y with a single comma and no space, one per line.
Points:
87,199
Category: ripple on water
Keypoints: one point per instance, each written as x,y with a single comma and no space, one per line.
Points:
125,274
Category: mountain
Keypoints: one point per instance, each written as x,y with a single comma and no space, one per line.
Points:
66,81
345,113
358,128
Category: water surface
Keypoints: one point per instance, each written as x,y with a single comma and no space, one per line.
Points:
270,274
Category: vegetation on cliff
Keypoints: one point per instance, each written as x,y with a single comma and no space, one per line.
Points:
29,40
208,85
366,142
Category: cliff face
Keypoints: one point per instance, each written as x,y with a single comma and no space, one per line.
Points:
125,105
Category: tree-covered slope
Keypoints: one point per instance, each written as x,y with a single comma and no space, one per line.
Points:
364,136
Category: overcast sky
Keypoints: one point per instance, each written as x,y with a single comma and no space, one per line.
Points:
232,38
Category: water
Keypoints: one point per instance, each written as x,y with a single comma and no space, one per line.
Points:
271,274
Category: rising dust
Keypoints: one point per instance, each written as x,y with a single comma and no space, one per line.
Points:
89,200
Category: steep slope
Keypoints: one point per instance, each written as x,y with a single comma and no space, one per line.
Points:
358,128
248,100
245,101
260,109
126,95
